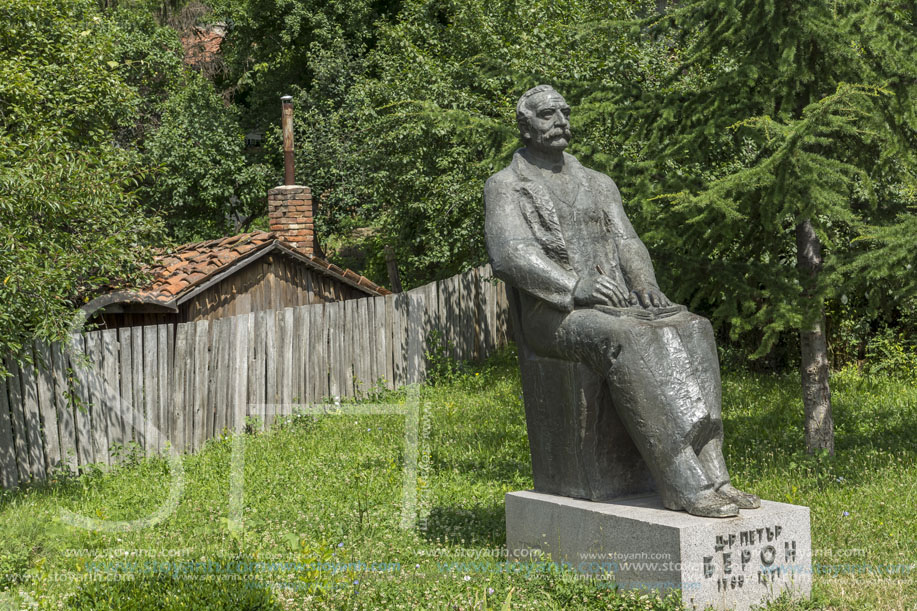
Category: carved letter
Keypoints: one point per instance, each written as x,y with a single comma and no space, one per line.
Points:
746,557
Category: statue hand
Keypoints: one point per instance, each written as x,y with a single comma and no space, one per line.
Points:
650,297
600,289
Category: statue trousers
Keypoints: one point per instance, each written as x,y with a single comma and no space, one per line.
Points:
664,380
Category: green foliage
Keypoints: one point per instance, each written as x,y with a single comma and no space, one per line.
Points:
408,149
442,368
69,224
276,47
203,186
769,114
200,182
149,58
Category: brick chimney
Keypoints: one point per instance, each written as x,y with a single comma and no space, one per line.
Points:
291,216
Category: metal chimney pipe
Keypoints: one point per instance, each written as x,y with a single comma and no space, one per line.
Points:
286,104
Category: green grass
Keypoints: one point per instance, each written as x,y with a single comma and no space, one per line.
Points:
328,490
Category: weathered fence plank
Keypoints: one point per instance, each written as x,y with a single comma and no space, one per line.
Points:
286,387
378,329
181,370
200,401
302,347
18,420
399,338
110,388
415,342
345,382
357,345
452,286
481,328
78,362
364,344
125,368
347,352
360,346
51,437
32,414
332,335
242,326
213,369
150,390
64,405
9,476
318,364
468,310
164,339
388,307
256,368
372,337
297,368
270,378
503,318
98,415
490,307
138,358
224,341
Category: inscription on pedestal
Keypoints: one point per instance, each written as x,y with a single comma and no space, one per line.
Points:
759,554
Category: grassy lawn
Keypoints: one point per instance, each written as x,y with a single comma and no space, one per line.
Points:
326,492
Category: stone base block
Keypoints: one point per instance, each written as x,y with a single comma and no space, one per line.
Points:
635,543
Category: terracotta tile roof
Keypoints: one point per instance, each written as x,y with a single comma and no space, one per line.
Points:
177,272
201,45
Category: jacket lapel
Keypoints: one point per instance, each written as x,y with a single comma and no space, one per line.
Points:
539,211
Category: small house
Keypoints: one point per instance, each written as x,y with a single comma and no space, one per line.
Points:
248,272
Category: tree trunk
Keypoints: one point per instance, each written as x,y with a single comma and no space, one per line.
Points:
816,393
392,265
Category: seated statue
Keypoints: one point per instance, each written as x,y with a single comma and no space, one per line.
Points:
557,234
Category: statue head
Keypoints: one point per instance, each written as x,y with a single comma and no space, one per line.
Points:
543,118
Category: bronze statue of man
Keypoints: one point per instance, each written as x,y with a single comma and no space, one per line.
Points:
557,233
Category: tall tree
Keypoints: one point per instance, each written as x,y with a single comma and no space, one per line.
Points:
69,224
782,130
408,149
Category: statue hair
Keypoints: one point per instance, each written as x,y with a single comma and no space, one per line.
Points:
522,110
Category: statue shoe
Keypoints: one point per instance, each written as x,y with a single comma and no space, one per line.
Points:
710,504
743,500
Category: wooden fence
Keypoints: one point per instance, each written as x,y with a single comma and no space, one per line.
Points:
189,382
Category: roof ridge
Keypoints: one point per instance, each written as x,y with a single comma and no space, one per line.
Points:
183,268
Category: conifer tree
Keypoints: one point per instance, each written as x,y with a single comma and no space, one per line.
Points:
783,131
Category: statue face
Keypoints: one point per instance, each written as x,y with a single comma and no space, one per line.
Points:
548,122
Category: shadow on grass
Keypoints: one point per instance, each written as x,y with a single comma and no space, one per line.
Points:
480,526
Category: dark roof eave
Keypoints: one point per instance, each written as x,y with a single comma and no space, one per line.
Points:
127,297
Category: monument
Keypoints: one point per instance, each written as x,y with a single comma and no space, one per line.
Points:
622,394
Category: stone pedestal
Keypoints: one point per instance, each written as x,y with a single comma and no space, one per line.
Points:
635,543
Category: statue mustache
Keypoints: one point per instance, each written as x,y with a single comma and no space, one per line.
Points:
559,131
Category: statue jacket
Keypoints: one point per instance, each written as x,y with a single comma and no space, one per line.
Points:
542,245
